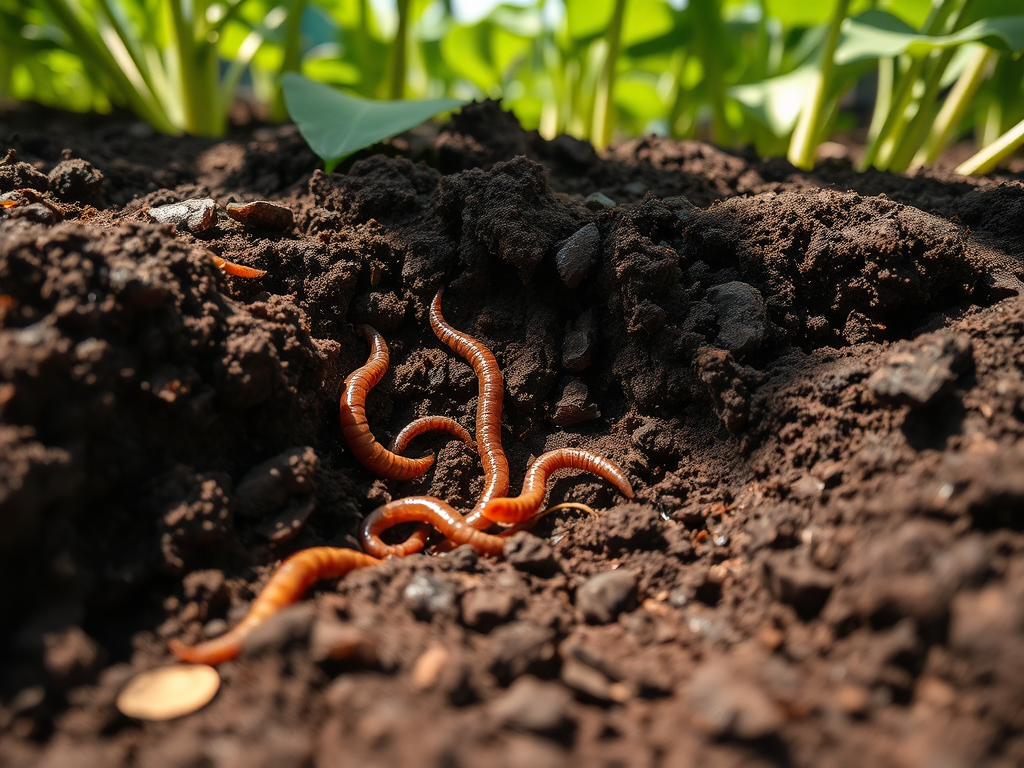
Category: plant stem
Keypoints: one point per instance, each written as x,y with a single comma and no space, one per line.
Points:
1000,149
907,141
604,97
814,115
880,149
291,59
91,49
711,47
396,82
955,107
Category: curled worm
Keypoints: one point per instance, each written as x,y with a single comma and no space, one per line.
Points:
370,453
296,574
527,504
425,509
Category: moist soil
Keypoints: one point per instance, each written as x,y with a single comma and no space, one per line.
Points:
815,382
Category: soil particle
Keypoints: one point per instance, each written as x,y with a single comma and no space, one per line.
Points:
268,486
530,554
534,705
603,597
740,311
923,371
76,181
520,647
731,707
20,175
579,254
291,625
429,596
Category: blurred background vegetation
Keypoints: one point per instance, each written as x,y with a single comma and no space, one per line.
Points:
778,75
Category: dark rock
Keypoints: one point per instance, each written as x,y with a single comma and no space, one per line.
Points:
521,647
536,706
919,374
286,627
463,558
742,319
76,181
530,554
598,200
801,585
578,255
727,707
604,596
578,344
484,608
37,212
429,596
266,487
573,407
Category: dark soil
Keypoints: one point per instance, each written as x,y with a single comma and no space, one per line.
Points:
815,382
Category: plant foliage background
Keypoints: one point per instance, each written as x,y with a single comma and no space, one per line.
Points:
778,75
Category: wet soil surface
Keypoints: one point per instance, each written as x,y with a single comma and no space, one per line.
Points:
814,381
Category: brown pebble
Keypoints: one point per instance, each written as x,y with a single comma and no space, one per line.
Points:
533,705
852,699
728,706
333,639
195,215
262,214
428,666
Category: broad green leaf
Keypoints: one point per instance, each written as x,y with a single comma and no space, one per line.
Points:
776,102
335,124
877,34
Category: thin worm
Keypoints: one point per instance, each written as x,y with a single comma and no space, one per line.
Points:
513,510
488,409
286,586
364,446
425,509
426,424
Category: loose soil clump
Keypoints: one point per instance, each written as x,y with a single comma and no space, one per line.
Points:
814,381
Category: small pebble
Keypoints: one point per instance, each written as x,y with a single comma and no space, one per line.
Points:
530,554
262,214
801,585
600,200
196,215
337,640
168,692
578,343
579,254
36,212
573,407
521,647
483,608
533,705
742,316
603,597
728,707
592,683
919,374
429,596
289,625
428,666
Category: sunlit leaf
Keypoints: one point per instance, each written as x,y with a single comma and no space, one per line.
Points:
877,34
335,124
776,102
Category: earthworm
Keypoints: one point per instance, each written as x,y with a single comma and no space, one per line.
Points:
296,574
526,504
488,408
361,441
425,509
430,424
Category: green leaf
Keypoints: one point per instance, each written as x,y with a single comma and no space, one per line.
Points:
776,102
877,34
335,124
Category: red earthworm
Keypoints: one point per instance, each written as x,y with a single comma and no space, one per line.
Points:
526,504
425,509
430,424
286,586
370,453
488,408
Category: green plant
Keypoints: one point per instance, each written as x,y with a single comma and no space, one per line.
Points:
335,124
